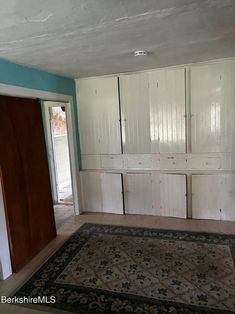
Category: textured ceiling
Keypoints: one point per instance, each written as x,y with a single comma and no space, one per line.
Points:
79,38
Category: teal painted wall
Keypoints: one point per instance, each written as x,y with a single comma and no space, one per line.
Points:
19,75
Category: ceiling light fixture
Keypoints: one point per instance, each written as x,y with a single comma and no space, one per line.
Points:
138,53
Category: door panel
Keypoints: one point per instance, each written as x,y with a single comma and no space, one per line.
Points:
135,113
156,194
228,197
138,194
91,191
112,193
25,177
213,197
102,192
167,110
99,115
213,107
206,195
173,195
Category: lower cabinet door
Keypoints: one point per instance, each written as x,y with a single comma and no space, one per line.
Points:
101,192
228,197
213,197
112,196
138,193
155,194
172,195
91,191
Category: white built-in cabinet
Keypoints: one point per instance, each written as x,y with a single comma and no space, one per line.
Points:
213,107
180,121
167,110
213,196
135,116
101,192
98,113
155,194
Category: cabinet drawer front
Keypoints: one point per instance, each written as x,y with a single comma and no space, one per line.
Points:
139,162
112,162
91,161
155,162
204,163
171,162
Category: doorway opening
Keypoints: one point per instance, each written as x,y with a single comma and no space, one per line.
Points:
59,161
59,134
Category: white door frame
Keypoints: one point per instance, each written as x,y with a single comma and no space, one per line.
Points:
50,151
47,105
12,90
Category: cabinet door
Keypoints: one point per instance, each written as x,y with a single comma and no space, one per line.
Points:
167,110
213,197
135,113
213,107
206,196
112,196
169,195
173,195
138,194
155,194
101,192
98,107
228,197
91,191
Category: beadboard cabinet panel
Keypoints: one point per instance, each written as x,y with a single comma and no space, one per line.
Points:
213,107
111,184
228,197
135,113
173,195
98,108
155,194
213,197
138,193
101,192
167,110
91,191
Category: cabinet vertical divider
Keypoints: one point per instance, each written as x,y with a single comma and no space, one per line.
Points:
123,194
120,113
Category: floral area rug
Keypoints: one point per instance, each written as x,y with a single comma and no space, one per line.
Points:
116,269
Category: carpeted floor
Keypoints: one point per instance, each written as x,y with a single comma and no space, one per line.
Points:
113,269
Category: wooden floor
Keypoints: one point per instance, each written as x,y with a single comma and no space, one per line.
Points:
62,213
74,222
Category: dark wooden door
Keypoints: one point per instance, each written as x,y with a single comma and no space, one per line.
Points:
25,177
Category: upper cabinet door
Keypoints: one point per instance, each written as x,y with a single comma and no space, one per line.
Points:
98,113
213,107
135,113
167,110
